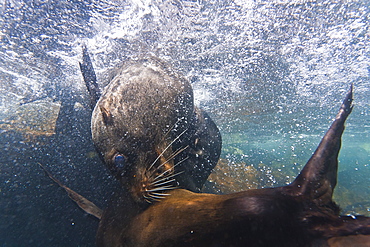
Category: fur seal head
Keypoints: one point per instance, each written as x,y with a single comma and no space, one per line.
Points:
140,113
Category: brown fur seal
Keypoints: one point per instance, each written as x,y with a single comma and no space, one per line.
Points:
149,134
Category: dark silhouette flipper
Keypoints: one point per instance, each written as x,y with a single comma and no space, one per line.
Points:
204,147
86,205
89,76
319,176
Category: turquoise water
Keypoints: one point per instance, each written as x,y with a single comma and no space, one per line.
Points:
271,74
283,143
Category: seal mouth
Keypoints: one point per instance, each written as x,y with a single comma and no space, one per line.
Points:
160,177
159,187
160,180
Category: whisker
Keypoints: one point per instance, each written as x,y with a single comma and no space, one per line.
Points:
161,188
178,163
160,180
181,161
176,153
171,176
169,169
169,145
169,130
172,156
161,175
157,200
145,196
153,195
165,182
157,197
160,194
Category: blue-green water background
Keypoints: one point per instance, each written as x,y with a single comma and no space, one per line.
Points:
271,74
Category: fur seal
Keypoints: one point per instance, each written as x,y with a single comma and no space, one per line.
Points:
148,132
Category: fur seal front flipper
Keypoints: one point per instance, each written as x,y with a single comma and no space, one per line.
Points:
86,205
300,214
319,176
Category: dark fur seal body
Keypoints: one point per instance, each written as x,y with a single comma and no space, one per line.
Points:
149,133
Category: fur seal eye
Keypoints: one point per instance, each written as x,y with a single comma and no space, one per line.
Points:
119,161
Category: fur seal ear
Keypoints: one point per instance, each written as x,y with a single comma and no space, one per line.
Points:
107,116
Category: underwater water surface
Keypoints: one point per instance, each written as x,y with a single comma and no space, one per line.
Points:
271,74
